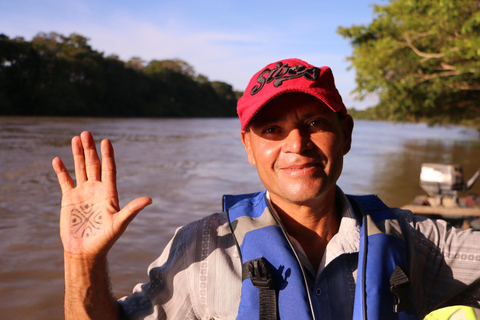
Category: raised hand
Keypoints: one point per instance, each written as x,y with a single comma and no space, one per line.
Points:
90,219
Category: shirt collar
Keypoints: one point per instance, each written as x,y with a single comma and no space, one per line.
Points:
347,239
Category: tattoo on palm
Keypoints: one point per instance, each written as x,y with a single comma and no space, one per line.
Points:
85,221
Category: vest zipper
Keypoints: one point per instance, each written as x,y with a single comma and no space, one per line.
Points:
359,210
364,269
296,257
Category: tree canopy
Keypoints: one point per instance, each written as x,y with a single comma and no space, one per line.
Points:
63,75
422,59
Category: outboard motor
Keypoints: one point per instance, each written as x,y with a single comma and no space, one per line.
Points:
442,182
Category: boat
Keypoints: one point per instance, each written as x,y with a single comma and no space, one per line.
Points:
443,185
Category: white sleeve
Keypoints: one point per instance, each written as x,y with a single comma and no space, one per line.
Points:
444,263
196,277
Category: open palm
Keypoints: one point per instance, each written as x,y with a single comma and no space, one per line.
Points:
90,218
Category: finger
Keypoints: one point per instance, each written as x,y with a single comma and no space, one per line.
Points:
109,168
92,162
64,179
130,211
79,160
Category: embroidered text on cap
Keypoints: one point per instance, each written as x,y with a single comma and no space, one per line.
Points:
284,72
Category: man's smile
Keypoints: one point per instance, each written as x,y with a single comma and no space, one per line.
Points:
301,168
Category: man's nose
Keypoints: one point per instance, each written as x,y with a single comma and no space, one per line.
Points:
297,141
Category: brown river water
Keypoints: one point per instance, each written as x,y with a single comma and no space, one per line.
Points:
185,165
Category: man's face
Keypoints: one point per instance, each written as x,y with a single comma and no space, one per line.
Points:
297,144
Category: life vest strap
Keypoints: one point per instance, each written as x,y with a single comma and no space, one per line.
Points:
259,272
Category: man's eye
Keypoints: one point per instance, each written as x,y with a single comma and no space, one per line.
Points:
270,130
318,123
315,123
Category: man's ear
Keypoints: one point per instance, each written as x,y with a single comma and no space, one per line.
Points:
246,136
347,128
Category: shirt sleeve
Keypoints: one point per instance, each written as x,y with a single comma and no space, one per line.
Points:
444,263
196,277
156,299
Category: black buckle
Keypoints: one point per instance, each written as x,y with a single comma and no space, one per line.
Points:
400,287
259,272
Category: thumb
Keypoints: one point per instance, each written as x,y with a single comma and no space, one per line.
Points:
130,211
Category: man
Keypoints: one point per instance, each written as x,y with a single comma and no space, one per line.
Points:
299,250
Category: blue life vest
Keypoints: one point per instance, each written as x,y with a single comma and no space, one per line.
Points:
274,283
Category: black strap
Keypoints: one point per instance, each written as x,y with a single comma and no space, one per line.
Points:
400,286
259,272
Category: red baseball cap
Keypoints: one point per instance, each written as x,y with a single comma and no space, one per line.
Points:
290,75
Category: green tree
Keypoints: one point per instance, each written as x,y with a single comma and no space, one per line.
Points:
135,63
19,73
422,58
170,66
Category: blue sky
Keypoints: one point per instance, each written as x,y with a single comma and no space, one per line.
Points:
225,40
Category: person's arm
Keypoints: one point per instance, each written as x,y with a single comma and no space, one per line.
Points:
444,263
87,290
90,223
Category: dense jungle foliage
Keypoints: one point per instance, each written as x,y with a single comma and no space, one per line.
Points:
63,76
422,59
